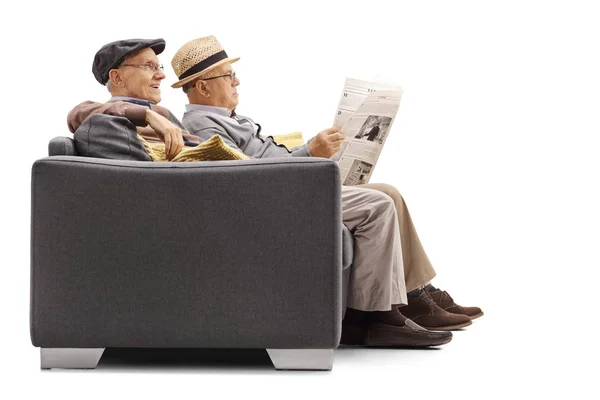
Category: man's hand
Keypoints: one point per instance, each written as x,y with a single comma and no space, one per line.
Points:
170,134
326,143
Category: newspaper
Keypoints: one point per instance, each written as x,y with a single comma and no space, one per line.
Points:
365,114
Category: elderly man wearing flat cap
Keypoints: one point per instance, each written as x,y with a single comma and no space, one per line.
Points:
388,256
132,74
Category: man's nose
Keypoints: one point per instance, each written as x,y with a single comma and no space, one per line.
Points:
160,74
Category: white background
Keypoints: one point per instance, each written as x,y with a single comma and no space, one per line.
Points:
495,149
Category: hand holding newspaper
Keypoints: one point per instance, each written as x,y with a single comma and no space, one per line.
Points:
365,113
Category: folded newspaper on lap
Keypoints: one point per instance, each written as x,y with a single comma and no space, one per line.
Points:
365,113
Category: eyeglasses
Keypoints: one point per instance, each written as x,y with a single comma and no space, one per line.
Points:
230,75
148,66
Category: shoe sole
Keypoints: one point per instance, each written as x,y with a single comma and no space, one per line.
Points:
449,327
410,343
408,346
476,315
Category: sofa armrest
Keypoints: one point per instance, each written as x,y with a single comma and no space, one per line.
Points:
211,254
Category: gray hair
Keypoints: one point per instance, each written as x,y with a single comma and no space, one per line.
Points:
188,86
109,82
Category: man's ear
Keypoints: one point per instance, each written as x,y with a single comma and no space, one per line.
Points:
115,77
201,88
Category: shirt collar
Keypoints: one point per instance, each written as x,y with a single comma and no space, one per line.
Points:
132,100
209,109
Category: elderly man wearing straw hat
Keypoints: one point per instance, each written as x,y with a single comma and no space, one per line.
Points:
384,265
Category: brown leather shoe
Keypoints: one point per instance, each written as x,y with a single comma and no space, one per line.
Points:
444,300
409,335
353,335
383,335
423,311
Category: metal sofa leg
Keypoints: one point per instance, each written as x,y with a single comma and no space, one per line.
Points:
70,358
318,359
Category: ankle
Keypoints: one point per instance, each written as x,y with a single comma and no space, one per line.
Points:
392,317
430,288
357,317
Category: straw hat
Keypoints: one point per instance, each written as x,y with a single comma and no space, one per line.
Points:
197,57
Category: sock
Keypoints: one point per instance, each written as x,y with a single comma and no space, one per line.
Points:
392,317
357,317
413,293
430,288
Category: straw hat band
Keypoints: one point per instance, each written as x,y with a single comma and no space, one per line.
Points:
202,65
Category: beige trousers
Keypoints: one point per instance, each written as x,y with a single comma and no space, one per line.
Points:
377,217
418,270
377,275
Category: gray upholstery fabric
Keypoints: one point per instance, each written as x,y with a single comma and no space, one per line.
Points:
347,256
61,146
214,254
106,136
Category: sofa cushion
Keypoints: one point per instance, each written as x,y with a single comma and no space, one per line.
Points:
106,136
347,256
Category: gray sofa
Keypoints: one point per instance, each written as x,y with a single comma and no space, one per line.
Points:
226,254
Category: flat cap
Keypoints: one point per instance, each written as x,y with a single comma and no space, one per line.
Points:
113,54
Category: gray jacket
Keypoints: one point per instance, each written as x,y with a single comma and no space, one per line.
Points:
238,132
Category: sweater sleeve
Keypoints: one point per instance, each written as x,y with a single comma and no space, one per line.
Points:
206,133
133,112
300,151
